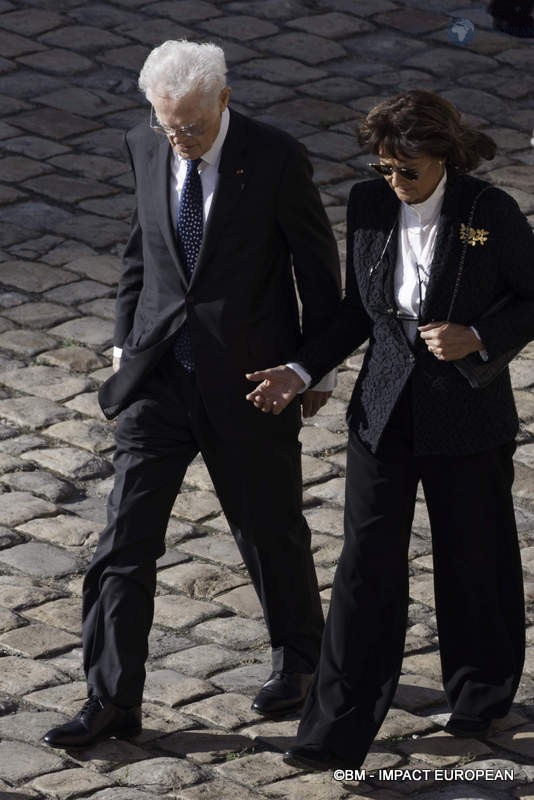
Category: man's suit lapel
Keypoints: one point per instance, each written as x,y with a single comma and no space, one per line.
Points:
231,182
161,170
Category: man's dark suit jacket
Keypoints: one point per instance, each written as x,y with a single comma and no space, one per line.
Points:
449,417
241,303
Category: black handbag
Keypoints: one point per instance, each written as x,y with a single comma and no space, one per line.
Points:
480,373
476,371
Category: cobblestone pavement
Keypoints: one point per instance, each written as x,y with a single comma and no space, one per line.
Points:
68,90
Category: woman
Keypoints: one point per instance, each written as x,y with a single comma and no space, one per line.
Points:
430,250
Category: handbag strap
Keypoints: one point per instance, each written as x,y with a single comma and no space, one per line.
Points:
464,251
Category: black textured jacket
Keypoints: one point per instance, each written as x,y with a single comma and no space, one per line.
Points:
449,417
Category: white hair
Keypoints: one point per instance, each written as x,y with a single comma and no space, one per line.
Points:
177,68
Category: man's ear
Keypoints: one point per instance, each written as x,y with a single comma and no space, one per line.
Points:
224,98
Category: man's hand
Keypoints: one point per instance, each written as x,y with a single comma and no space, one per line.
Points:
278,387
312,401
449,341
116,363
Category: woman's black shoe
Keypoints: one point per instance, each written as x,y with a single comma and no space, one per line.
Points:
468,728
314,758
97,720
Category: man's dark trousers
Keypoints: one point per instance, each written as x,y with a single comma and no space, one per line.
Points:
257,478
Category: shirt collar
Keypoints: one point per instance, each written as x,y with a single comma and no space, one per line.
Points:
425,212
212,155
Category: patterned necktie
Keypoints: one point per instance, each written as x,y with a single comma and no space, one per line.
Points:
189,230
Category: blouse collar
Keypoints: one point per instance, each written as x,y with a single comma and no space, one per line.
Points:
422,214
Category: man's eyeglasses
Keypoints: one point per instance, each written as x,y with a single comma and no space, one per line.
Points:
386,170
189,131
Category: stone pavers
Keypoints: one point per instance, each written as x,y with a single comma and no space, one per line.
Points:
68,91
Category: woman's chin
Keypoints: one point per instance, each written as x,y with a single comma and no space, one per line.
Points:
405,194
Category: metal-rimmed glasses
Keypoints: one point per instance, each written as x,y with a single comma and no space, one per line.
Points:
386,170
188,131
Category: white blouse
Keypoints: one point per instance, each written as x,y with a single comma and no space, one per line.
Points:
417,233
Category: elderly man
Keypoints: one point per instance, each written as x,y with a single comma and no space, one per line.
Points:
227,217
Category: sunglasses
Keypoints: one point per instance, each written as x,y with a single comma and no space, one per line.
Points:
386,170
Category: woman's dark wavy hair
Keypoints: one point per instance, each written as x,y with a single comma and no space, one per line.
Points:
420,122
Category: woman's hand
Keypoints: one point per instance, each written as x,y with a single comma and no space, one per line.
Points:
278,387
449,341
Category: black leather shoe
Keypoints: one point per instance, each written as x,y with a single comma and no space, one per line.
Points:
97,720
522,27
468,728
283,693
314,758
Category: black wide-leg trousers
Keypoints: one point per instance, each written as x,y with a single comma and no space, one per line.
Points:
256,472
477,581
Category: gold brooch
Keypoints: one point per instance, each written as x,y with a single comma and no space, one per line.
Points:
474,236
